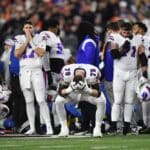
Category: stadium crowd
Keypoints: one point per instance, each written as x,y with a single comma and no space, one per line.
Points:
70,13
40,39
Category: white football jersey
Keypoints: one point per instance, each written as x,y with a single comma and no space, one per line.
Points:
55,44
129,60
92,73
29,58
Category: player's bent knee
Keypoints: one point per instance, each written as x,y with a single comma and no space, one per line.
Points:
117,103
102,99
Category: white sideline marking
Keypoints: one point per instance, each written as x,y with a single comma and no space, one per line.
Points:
57,146
45,136
10,145
109,147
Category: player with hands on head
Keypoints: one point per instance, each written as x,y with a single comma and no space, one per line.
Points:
80,82
125,73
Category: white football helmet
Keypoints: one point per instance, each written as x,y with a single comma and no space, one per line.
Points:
144,92
142,80
4,94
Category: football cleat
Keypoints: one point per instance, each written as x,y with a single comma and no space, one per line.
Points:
144,130
97,132
113,129
64,132
49,131
30,132
126,130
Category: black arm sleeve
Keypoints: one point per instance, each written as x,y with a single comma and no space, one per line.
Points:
145,74
62,86
49,76
115,53
96,87
143,60
126,45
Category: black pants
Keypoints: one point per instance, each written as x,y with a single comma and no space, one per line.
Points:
18,101
88,115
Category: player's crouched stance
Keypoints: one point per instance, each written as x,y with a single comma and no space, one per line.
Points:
80,82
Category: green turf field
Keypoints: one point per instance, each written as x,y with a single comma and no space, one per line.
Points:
132,142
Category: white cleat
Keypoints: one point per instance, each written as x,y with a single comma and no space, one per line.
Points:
49,131
30,132
64,132
97,132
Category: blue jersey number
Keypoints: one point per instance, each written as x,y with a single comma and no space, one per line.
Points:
30,55
59,48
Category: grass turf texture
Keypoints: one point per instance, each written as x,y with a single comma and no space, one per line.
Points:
132,142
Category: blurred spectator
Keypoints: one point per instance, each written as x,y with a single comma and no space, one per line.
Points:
12,13
8,44
16,97
144,17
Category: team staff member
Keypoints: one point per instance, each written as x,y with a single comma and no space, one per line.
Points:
88,53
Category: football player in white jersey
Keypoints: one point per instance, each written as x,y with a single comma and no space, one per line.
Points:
140,28
145,89
126,50
53,60
55,49
30,49
80,82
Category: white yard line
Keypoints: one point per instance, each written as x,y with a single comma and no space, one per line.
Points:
10,145
109,147
57,146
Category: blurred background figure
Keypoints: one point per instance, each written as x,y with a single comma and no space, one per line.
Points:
18,107
5,58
